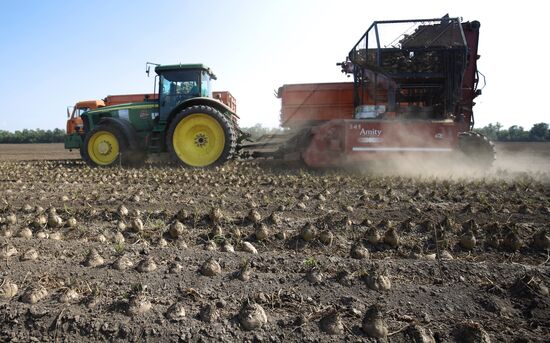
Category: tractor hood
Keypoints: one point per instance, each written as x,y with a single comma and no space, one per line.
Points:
127,106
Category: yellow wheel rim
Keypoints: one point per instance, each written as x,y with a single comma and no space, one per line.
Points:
198,140
103,148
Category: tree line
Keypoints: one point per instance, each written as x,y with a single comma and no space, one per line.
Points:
58,135
538,133
33,136
258,131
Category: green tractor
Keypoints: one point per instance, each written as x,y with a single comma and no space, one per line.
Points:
184,120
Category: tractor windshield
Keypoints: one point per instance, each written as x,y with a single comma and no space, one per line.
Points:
176,86
180,84
80,111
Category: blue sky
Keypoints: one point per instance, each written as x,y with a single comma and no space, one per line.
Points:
55,53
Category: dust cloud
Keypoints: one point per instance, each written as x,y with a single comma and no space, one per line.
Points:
513,160
528,157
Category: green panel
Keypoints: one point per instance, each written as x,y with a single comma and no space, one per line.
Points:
140,114
73,141
143,117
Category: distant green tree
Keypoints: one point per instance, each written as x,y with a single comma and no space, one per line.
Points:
517,133
539,132
490,131
503,135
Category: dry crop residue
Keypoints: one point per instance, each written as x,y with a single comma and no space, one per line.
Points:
244,252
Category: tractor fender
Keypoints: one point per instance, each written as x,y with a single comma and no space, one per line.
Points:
218,105
126,128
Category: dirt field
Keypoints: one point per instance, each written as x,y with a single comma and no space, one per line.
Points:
511,155
26,152
248,252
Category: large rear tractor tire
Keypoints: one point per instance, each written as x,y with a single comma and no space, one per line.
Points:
201,136
104,146
478,151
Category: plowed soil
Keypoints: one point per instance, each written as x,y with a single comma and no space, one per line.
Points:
319,272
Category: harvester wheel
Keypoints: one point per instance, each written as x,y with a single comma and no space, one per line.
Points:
478,150
201,136
103,146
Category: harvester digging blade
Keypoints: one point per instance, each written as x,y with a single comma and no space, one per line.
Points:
287,146
266,146
478,150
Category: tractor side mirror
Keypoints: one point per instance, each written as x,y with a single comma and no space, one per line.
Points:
148,67
68,113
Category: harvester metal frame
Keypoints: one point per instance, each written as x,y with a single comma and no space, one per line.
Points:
448,54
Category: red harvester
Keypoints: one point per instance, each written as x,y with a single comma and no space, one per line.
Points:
414,82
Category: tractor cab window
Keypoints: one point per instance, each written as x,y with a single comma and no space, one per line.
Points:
173,88
78,111
206,89
180,84
177,86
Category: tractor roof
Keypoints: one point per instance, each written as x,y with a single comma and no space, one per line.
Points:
91,104
184,67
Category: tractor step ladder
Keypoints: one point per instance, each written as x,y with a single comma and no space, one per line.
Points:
156,140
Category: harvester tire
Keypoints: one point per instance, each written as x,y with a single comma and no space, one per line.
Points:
201,136
478,150
104,146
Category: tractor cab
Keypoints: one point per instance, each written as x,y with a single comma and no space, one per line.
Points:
181,82
74,120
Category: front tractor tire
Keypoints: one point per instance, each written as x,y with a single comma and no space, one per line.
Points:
103,147
478,151
201,136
